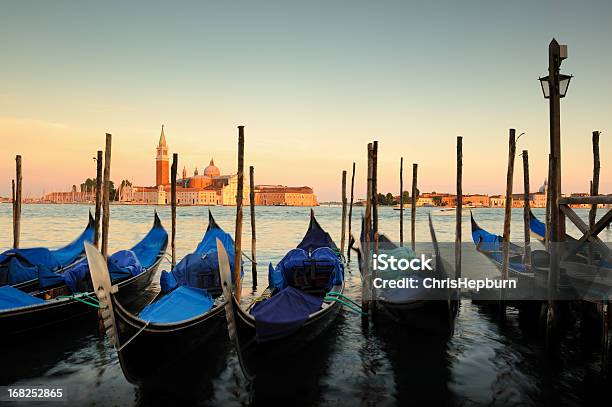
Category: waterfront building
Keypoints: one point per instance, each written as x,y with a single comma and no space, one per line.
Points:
211,187
497,201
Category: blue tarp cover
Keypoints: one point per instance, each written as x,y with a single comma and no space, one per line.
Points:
316,237
15,271
149,247
180,305
537,227
205,258
11,297
284,313
124,264
19,265
121,265
71,252
167,281
492,245
278,277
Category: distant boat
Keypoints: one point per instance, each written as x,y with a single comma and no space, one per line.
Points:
465,210
406,206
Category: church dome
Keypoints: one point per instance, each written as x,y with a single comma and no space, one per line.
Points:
212,170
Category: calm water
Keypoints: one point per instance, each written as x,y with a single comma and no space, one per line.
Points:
486,362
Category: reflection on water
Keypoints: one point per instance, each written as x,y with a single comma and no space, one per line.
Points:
486,362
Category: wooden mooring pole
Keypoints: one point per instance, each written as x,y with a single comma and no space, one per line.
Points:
507,220
459,207
343,237
553,239
375,194
106,195
238,234
14,203
401,220
365,286
350,215
17,198
595,184
98,213
526,210
413,197
253,231
173,170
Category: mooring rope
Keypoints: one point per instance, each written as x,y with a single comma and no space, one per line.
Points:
77,296
134,336
349,303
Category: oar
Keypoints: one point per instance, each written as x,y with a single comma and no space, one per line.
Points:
103,289
226,284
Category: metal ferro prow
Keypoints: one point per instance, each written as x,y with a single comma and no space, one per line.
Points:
226,283
103,289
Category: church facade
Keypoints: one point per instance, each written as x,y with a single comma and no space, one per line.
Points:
211,188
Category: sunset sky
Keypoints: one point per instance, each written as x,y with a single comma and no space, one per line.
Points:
313,82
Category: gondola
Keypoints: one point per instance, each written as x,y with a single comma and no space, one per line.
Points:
491,246
181,319
21,268
299,303
424,310
132,270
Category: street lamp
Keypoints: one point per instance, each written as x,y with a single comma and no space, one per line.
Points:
564,81
554,87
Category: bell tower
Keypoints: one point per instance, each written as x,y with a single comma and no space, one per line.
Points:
162,162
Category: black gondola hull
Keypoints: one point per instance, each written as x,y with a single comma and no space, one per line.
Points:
26,319
155,347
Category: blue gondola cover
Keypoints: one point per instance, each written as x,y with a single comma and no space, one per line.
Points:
537,227
71,252
205,258
11,297
492,245
124,264
15,271
284,313
121,265
149,247
298,258
167,282
180,305
20,265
